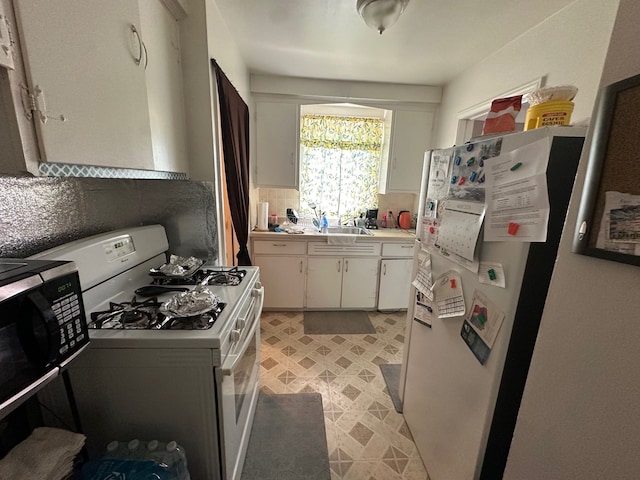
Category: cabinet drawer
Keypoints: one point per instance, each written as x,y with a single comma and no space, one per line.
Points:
356,249
397,249
283,247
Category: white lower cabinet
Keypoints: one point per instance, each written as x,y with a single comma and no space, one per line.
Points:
342,282
283,278
395,280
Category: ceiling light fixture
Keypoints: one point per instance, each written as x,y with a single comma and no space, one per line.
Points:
381,14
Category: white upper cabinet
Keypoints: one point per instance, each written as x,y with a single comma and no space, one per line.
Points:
86,62
164,85
411,136
277,138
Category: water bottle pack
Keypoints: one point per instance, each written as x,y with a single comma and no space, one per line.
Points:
140,460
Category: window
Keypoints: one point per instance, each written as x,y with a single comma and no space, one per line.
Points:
340,163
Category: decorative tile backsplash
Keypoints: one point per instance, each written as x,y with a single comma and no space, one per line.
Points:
50,169
279,200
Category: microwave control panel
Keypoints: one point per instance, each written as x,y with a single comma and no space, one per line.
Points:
65,298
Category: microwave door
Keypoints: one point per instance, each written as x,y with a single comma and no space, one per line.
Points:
39,331
29,344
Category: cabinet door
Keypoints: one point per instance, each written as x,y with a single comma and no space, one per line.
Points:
411,138
283,280
277,133
395,280
324,282
359,282
161,37
82,54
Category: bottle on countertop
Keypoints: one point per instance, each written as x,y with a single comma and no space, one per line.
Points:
361,222
391,222
324,223
383,223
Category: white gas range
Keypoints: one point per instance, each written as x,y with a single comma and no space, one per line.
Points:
149,375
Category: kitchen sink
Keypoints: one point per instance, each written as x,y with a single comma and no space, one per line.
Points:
345,230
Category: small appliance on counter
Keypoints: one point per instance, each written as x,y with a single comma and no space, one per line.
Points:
292,216
371,218
404,219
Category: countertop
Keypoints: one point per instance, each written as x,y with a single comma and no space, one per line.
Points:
379,234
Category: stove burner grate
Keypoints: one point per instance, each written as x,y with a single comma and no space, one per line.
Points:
145,315
223,277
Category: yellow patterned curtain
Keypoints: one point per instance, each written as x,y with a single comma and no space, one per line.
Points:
340,163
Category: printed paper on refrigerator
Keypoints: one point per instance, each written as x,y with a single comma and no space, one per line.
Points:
517,196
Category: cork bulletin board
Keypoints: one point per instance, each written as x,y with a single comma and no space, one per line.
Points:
608,223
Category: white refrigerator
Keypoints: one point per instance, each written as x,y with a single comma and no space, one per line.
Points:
461,396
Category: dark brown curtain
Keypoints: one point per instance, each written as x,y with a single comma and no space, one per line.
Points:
234,120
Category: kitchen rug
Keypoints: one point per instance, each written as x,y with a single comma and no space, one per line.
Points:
338,322
391,375
288,440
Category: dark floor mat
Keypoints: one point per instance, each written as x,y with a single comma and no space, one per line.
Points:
288,439
338,322
391,375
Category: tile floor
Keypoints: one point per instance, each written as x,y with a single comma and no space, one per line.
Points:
366,438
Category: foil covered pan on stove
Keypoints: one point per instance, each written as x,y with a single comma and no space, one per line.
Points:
178,267
187,304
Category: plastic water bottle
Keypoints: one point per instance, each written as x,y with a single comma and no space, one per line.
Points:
155,452
176,461
116,450
136,451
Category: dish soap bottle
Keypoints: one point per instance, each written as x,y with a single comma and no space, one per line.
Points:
383,223
324,223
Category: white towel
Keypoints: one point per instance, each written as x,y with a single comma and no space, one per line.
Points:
341,239
47,454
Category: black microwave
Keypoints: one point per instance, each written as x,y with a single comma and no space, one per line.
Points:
42,325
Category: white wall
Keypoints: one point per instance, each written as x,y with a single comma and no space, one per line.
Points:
580,415
567,48
204,35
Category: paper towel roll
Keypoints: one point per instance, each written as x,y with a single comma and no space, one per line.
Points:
263,216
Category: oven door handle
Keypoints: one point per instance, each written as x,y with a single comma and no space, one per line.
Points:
227,370
12,403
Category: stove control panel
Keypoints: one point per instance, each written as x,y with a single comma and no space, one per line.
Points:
118,247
